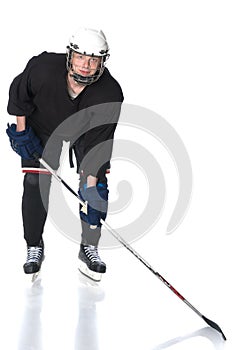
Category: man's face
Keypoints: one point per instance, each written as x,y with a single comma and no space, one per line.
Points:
85,65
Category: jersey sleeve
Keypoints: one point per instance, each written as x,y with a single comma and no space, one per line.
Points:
98,140
20,101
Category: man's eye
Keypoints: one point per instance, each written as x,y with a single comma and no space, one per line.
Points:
93,60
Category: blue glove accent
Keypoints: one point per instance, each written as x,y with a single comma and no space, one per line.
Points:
25,143
97,198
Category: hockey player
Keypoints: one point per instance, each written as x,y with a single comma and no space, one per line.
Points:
52,88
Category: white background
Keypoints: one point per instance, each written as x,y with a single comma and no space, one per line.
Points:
175,58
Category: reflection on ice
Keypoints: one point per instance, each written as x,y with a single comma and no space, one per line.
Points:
207,332
89,293
31,328
86,333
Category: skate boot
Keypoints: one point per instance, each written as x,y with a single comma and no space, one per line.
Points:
90,263
35,257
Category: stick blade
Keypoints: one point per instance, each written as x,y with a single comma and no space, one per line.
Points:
214,325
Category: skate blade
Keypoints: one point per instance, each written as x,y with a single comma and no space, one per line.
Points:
32,278
94,276
35,276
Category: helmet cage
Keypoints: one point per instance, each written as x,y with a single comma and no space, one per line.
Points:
78,78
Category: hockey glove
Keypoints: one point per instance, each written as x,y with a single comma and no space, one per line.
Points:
97,198
25,143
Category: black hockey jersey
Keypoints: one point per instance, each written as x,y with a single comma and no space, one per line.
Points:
88,121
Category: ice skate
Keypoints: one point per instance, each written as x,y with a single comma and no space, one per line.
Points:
90,263
35,257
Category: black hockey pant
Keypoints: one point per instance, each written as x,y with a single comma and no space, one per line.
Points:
35,204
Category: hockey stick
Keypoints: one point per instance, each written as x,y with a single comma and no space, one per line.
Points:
58,178
116,235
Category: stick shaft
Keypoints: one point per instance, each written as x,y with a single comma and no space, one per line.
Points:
58,178
139,257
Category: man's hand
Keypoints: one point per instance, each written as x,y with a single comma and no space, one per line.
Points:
97,198
25,143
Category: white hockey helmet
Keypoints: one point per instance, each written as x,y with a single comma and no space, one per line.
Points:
90,42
